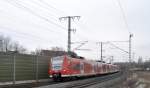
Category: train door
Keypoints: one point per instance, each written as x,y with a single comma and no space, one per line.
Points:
96,68
82,67
93,67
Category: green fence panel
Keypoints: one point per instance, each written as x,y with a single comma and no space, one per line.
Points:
25,67
6,68
43,66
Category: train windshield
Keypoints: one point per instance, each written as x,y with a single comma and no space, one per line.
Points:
57,63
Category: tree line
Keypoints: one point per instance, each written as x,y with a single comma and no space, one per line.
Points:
8,45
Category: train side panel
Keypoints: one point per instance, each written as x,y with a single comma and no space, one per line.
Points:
65,66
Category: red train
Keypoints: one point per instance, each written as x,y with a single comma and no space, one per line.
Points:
66,66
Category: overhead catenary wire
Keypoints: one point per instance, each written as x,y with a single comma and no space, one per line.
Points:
28,37
112,52
25,34
35,14
26,8
38,25
48,5
18,4
81,35
21,36
47,9
44,28
118,47
46,19
124,16
40,5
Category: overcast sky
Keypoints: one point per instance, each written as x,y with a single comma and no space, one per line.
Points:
35,24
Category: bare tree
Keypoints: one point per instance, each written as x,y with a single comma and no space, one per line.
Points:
57,49
5,42
36,52
6,45
22,49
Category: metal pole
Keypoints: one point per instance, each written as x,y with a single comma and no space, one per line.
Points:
101,51
130,36
69,33
1,45
133,55
69,30
14,70
37,67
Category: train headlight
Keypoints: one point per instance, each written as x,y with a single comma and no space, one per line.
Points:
64,70
49,72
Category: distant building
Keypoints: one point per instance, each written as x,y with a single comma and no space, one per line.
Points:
52,53
9,52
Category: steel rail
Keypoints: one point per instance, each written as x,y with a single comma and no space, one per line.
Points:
96,81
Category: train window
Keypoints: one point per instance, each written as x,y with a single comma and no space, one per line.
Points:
76,66
82,66
57,63
95,68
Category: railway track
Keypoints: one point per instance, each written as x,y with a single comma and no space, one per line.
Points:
85,82
82,83
95,81
28,85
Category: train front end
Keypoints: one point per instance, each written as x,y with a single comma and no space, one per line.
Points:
58,68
